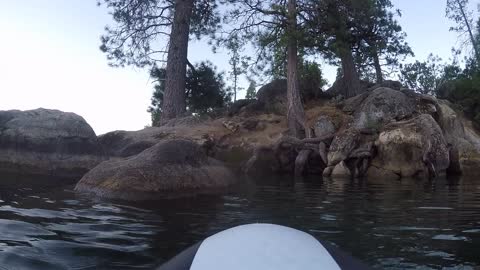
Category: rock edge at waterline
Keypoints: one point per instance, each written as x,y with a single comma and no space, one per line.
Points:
48,143
170,168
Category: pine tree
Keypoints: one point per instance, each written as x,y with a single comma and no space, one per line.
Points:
330,26
251,90
205,91
457,11
270,25
140,27
236,62
380,39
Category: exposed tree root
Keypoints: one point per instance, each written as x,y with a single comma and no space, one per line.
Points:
322,150
301,161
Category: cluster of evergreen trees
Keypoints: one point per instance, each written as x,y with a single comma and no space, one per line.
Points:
362,37
457,83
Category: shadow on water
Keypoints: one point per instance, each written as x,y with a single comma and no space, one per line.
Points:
405,224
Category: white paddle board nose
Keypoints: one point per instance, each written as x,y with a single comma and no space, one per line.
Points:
262,247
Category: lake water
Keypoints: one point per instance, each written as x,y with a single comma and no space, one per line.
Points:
388,224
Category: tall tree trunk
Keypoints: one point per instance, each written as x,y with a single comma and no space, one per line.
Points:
235,78
378,67
351,81
174,99
469,28
295,112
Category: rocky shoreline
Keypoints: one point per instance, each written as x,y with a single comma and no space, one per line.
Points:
386,132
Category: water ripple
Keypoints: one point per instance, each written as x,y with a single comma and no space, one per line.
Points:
388,224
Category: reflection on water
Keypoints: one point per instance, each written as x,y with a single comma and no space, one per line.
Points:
389,224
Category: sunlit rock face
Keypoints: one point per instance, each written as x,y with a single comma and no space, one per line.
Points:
412,148
382,106
462,138
168,169
402,134
47,142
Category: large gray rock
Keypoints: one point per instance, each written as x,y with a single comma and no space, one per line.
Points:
341,171
382,106
415,147
128,143
395,85
273,97
169,168
245,107
47,142
323,127
338,89
352,104
419,136
464,141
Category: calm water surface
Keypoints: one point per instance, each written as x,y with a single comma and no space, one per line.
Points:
389,225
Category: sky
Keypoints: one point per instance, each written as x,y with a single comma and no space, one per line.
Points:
49,58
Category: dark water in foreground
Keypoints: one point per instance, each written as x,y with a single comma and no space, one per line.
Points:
390,225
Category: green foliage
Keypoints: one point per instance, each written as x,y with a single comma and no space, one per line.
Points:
473,61
140,26
364,29
330,25
380,37
263,25
446,81
457,11
309,73
426,77
205,91
238,63
465,94
155,108
337,30
471,67
311,79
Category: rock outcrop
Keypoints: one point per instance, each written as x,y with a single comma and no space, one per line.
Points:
323,126
341,170
415,147
47,142
169,168
383,132
399,133
273,97
342,146
128,143
245,107
381,106
462,139
387,131
338,89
